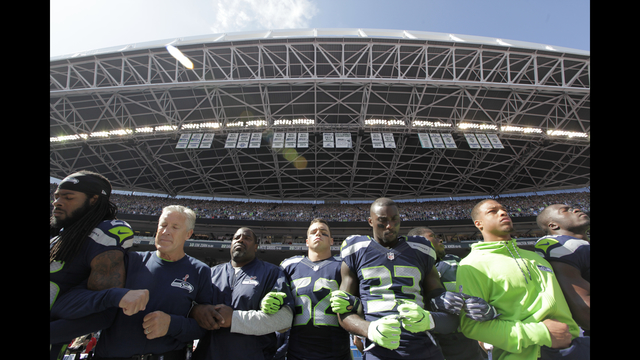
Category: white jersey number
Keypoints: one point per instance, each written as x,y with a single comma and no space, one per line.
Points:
388,296
319,311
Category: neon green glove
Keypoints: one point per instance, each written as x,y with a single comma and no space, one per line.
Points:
343,302
414,318
385,332
272,302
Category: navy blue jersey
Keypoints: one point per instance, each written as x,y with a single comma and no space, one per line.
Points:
455,346
447,268
173,286
566,249
386,275
316,333
243,291
108,235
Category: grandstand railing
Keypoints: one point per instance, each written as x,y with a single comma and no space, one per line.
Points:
225,244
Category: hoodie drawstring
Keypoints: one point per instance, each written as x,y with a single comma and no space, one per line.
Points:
517,263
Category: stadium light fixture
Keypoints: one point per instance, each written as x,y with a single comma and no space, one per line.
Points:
375,122
99,134
205,125
166,128
392,122
179,56
121,132
210,125
290,122
236,124
303,121
524,130
465,125
570,134
422,123
281,122
256,123
64,138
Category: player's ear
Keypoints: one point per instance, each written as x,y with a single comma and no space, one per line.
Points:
553,226
370,221
478,224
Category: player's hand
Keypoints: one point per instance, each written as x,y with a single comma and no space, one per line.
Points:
272,302
385,332
156,324
226,312
559,332
134,301
449,302
343,302
478,309
208,317
414,318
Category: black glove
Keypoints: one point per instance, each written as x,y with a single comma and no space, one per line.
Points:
449,302
478,309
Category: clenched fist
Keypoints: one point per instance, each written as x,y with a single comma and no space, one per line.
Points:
134,301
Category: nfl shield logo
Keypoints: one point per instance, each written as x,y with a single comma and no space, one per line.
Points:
390,255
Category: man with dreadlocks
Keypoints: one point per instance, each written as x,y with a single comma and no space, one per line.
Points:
88,244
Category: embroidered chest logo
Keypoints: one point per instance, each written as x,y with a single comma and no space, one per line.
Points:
391,256
182,284
251,280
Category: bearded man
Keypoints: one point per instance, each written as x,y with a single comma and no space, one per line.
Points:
87,245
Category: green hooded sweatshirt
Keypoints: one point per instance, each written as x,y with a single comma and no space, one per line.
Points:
522,287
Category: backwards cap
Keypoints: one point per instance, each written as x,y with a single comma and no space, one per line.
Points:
86,183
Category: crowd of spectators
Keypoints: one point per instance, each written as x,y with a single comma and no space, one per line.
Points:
410,211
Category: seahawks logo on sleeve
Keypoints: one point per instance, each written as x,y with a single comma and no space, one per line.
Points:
113,233
556,246
566,249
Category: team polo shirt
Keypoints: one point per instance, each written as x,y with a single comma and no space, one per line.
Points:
173,286
243,290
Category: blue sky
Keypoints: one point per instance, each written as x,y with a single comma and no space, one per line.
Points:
82,25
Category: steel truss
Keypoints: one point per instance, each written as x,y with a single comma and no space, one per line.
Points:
339,82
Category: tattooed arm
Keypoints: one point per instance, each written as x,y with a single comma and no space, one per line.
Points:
107,271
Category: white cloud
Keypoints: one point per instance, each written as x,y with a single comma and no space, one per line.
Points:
248,15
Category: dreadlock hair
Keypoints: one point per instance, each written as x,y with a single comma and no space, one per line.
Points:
71,239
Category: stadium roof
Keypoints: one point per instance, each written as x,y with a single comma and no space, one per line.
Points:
129,113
